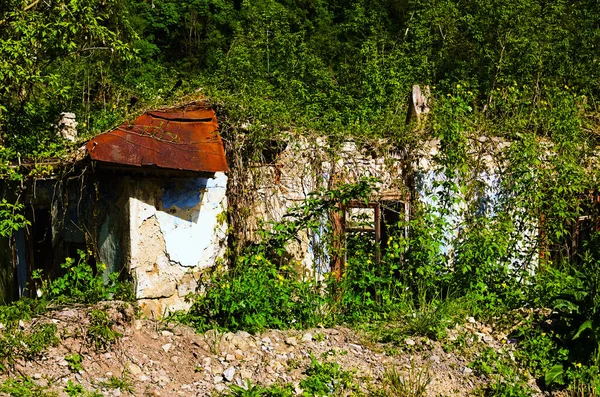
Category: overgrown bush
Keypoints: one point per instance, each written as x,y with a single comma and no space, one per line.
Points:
81,283
256,295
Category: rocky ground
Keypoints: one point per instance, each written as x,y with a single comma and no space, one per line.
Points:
159,359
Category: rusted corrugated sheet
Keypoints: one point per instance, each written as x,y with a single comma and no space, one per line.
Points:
177,139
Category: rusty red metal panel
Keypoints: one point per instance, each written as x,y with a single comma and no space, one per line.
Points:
185,138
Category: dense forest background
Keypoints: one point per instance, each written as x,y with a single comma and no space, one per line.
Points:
341,67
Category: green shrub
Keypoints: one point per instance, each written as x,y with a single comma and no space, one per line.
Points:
82,284
75,362
326,378
260,391
100,331
256,296
24,387
16,343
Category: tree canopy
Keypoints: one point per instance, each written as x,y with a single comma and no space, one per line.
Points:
341,66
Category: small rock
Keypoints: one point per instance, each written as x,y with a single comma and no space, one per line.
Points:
471,320
144,378
21,324
291,341
435,359
116,393
37,376
137,324
239,354
467,371
410,342
166,347
63,363
166,333
229,373
220,387
163,380
266,340
307,337
217,379
230,357
355,347
134,369
175,359
245,374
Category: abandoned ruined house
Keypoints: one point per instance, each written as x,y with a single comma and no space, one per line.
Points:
147,197
152,199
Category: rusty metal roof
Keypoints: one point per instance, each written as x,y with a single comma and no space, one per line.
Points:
185,138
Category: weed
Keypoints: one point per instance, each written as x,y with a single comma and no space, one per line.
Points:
485,364
26,344
414,384
82,283
293,363
74,389
503,371
213,338
122,383
327,378
100,332
319,337
260,391
75,362
24,387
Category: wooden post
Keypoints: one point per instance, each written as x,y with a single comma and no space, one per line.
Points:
338,225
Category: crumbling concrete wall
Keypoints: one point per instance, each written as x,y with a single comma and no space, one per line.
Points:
307,164
177,228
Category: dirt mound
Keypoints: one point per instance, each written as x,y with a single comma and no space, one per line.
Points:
104,348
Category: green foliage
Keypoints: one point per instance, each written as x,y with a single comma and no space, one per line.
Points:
263,290
27,344
506,379
11,218
75,362
414,384
83,284
260,296
77,390
260,391
74,389
50,53
322,379
100,331
326,378
24,387
122,383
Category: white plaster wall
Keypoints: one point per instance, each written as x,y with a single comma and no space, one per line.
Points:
177,229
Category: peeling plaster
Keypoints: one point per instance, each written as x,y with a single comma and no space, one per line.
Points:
175,233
